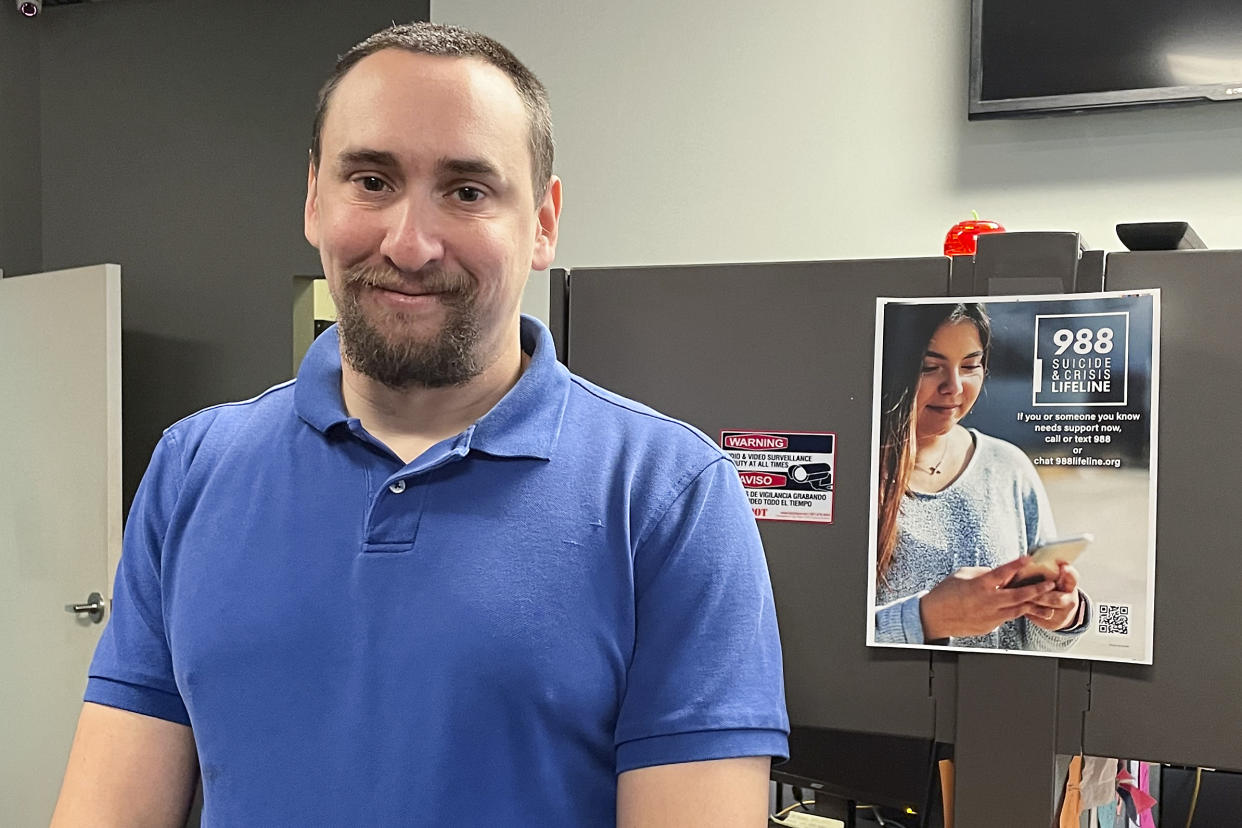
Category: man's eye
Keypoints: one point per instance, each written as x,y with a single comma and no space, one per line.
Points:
372,183
469,195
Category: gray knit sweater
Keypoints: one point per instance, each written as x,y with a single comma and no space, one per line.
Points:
995,511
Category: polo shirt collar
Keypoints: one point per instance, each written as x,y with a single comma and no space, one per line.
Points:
525,423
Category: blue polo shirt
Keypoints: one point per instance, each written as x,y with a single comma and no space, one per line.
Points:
570,588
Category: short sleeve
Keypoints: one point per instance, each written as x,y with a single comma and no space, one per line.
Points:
132,668
705,681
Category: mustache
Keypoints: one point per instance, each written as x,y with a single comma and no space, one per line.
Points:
428,280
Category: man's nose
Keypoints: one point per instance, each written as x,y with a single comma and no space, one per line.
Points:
412,238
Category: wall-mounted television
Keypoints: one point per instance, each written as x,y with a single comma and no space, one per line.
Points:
1070,55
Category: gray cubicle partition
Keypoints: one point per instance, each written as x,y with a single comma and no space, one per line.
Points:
789,347
1186,708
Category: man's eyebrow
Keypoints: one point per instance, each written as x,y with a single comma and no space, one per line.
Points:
375,158
935,355
468,166
445,166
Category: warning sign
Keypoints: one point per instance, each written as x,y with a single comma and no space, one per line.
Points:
788,475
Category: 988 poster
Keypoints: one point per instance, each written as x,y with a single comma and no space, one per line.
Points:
1014,446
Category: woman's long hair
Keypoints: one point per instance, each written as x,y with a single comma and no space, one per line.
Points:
907,331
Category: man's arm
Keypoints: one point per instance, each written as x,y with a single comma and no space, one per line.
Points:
126,769
723,793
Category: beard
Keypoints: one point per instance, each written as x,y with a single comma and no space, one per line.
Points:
400,360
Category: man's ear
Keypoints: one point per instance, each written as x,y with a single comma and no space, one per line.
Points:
547,222
310,217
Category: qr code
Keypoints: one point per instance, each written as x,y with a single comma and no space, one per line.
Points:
1114,619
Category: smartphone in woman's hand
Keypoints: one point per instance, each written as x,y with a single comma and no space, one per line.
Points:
1046,557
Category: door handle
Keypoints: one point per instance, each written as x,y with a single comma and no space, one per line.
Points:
93,608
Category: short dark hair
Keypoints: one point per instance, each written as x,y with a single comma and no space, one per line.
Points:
453,41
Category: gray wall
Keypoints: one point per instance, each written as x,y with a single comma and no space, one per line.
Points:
20,240
174,139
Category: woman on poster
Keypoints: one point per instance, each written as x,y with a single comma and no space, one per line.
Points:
959,510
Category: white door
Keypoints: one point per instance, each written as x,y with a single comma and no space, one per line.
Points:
60,515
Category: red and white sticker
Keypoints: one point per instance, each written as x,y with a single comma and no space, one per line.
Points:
788,475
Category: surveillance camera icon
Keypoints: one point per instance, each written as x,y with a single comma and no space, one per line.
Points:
29,8
816,475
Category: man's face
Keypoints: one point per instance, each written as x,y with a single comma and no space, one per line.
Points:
424,214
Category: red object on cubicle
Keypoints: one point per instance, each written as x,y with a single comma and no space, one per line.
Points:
963,236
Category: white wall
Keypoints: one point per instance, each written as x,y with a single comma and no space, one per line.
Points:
717,130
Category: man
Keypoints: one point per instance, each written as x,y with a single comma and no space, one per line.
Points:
436,562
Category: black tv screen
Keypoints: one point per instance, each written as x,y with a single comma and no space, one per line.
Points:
1065,55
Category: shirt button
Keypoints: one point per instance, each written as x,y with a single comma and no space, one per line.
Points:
398,487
